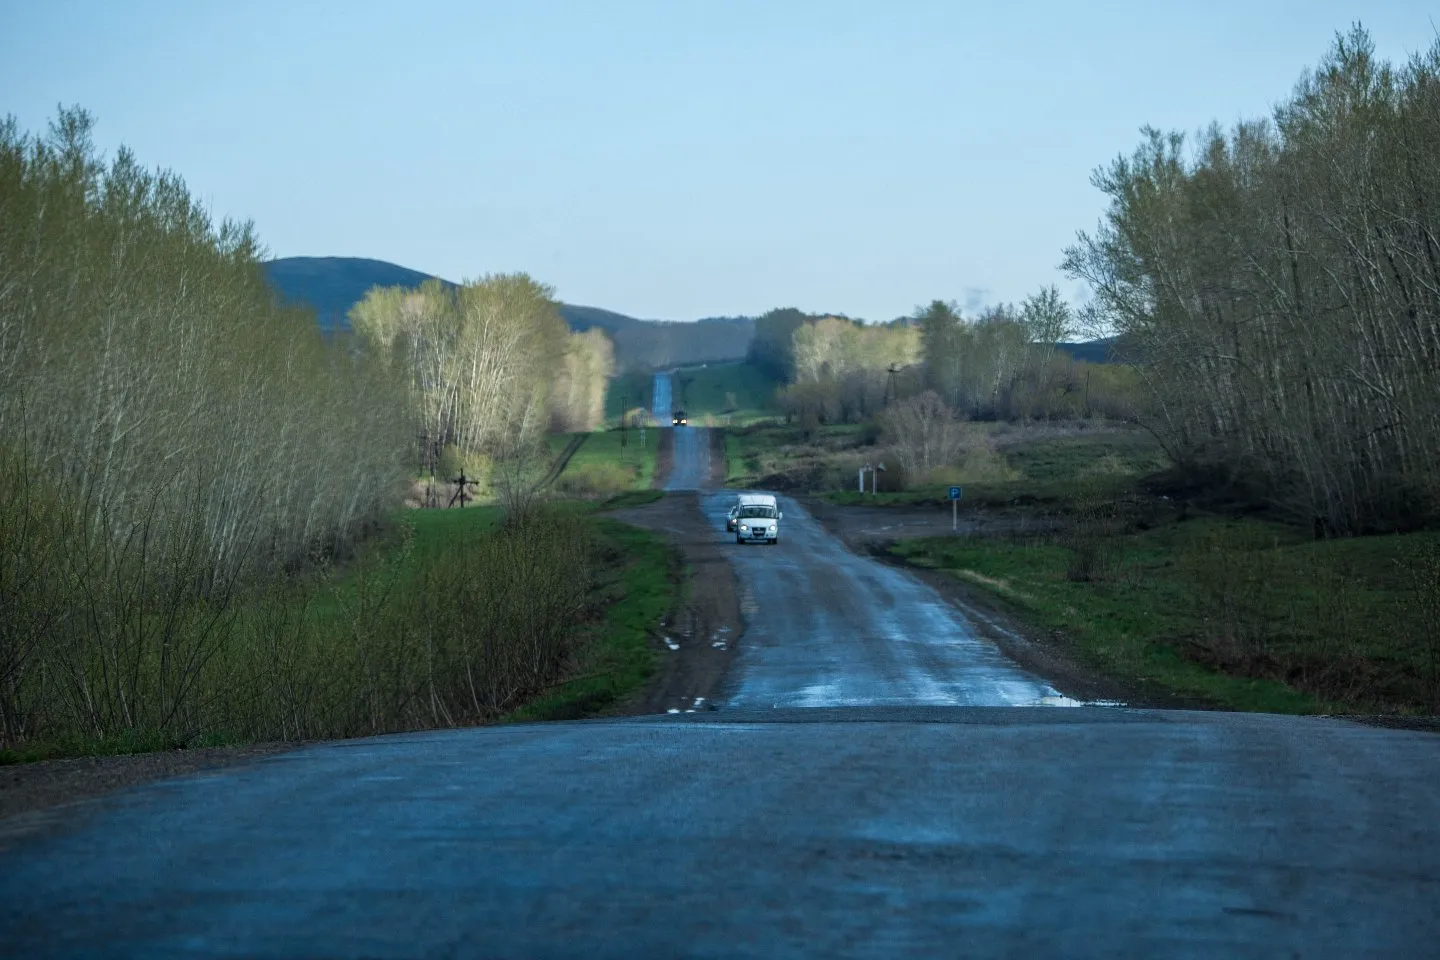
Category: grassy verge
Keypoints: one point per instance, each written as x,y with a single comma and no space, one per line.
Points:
1047,466
1239,613
603,467
786,457
639,586
450,619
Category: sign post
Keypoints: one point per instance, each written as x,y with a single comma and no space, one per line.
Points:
955,494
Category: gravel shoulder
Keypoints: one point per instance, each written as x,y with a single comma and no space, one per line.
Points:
26,789
704,633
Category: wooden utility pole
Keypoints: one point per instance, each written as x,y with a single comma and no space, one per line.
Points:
461,493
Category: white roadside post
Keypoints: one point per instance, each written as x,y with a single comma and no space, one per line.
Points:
862,477
955,494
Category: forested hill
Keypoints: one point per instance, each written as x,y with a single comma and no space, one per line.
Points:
332,285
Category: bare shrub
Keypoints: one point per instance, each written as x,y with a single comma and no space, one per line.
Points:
923,432
595,480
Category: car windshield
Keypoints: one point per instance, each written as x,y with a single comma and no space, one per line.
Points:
767,513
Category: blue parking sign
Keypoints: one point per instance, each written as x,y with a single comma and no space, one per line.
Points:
955,493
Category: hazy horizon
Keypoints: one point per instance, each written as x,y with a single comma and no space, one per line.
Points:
671,162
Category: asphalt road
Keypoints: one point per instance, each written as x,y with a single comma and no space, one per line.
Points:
868,824
825,627
782,833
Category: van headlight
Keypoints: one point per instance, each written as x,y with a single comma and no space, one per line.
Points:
745,526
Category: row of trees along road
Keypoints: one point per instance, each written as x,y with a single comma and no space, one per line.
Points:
490,364
1002,363
1281,283
147,369
181,458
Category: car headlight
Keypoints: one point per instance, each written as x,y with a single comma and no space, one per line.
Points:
744,526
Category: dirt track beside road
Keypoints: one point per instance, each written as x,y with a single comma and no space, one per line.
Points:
704,633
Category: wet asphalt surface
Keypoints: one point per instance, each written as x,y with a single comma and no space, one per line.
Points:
892,817
826,628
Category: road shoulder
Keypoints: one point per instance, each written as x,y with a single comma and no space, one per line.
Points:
27,788
700,638
1046,655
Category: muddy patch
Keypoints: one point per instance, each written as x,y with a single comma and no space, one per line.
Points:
696,644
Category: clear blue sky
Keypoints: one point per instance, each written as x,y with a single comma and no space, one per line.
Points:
671,159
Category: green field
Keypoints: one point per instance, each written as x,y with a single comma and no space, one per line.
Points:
725,393
1038,466
627,391
602,467
823,460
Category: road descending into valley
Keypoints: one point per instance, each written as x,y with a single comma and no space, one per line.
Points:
877,781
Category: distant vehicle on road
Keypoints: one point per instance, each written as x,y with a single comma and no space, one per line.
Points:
755,518
679,419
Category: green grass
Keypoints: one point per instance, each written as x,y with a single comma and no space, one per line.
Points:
1237,613
760,451
633,586
636,588
603,467
618,657
1059,472
125,743
1075,460
725,393
632,389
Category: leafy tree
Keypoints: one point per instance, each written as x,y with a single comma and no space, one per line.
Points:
772,349
1279,287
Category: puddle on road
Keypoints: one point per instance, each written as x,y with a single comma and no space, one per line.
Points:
1063,701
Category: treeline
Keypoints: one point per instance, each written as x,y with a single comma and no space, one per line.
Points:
149,375
845,371
1001,364
488,365
169,437
183,463
1281,283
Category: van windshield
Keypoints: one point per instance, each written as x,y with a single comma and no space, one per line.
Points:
758,511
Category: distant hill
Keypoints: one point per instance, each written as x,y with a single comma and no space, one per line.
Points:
332,285
1093,351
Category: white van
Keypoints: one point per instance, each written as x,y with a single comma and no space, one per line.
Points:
755,518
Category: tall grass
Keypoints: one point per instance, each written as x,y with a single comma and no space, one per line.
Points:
100,640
